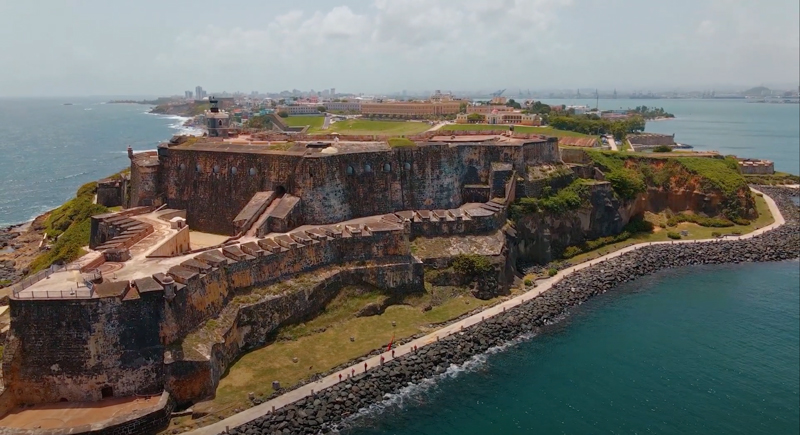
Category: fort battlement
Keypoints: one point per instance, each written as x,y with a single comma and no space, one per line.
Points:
334,178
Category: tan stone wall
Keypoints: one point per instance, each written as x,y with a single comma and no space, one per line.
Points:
176,244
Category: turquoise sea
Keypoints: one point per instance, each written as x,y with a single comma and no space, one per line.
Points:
48,149
698,350
705,350
756,130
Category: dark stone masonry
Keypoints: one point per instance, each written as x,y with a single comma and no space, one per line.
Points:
326,411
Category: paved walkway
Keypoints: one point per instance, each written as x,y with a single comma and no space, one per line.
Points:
331,380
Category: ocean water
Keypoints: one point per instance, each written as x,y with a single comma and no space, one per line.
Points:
48,150
699,350
766,131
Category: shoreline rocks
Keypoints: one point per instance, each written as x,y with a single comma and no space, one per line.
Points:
328,409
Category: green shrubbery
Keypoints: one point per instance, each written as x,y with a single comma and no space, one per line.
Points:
71,225
398,142
569,198
552,271
636,225
700,220
472,265
627,183
673,235
662,149
528,282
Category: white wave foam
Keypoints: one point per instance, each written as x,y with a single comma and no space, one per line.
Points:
415,393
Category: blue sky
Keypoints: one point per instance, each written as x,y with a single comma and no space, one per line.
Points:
373,46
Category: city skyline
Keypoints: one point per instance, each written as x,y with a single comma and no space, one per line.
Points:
380,46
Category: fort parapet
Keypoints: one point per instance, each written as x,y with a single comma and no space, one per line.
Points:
332,179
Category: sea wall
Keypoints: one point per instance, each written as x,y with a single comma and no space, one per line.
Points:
329,407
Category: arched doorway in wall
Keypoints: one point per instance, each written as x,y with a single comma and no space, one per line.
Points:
280,191
472,175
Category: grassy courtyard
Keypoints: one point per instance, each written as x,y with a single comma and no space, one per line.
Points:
313,122
547,131
366,127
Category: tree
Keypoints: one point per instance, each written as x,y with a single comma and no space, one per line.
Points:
283,114
475,117
662,149
514,104
321,108
462,108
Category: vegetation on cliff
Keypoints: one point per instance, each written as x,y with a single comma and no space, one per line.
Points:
774,179
569,198
69,225
631,174
635,226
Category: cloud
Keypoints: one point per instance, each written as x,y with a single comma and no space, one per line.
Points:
391,37
707,28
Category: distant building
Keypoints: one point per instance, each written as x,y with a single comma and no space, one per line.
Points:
218,122
503,117
199,93
188,95
411,109
299,109
756,166
486,108
344,106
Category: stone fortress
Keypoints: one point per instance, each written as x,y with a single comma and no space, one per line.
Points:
149,314
130,320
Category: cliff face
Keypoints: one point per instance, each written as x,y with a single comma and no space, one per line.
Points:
674,187
701,186
541,237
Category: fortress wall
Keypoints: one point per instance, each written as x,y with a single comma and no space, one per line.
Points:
541,153
144,185
575,155
255,324
416,179
71,349
476,225
206,295
213,199
425,177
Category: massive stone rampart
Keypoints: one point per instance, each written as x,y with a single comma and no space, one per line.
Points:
214,184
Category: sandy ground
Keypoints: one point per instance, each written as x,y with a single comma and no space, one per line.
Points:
64,415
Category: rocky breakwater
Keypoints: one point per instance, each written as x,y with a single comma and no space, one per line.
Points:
330,409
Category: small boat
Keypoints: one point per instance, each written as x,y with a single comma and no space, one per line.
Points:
682,146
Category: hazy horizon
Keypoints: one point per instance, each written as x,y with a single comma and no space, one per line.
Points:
382,46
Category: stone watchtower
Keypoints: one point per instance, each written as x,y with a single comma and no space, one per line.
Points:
218,122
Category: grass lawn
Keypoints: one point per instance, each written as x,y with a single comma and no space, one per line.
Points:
314,122
696,232
318,351
547,131
366,126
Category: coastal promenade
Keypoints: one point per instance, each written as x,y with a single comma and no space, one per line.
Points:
307,390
